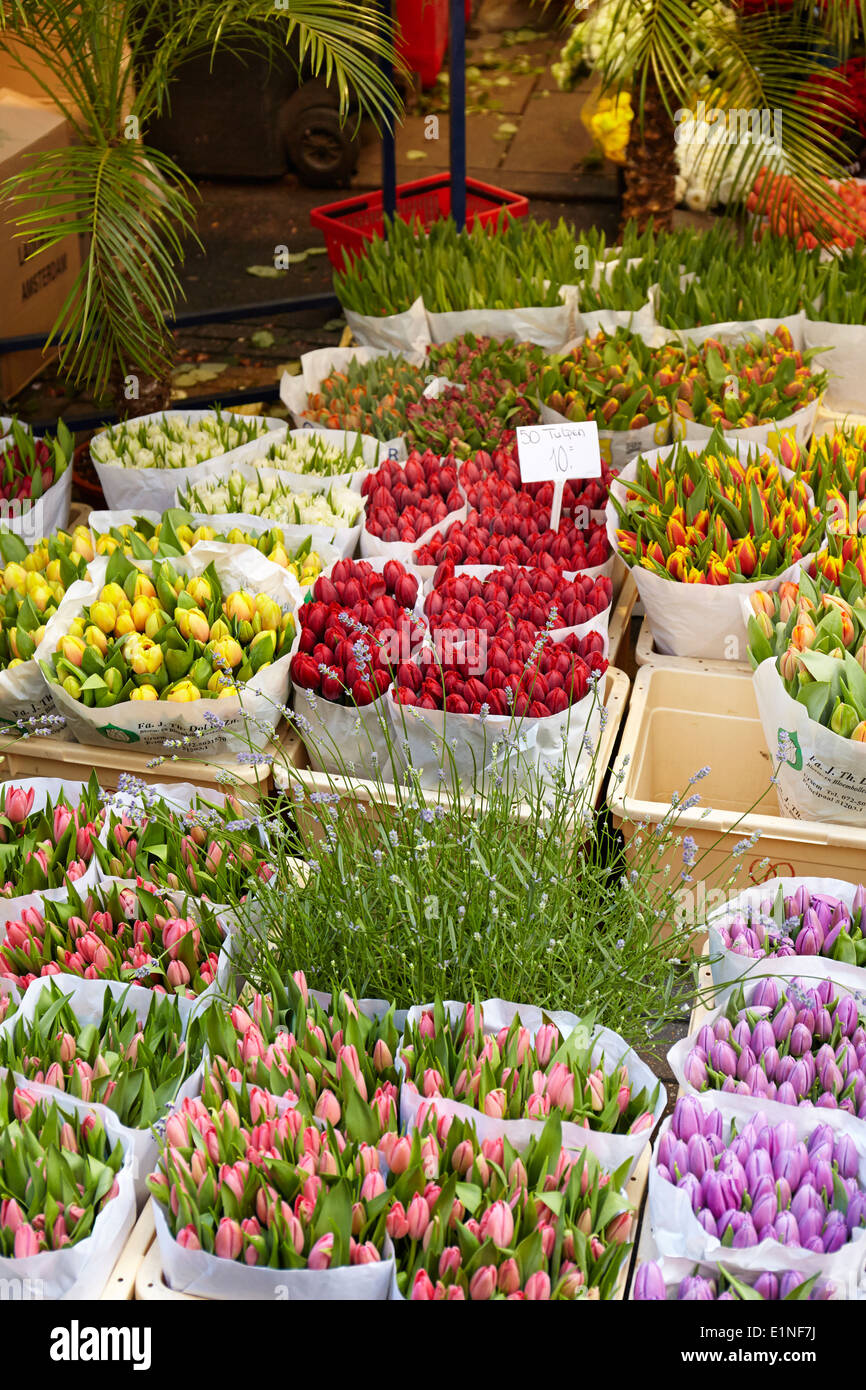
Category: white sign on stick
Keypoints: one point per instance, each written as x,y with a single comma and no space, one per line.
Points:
558,453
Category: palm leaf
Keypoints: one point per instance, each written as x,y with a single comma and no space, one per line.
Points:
132,202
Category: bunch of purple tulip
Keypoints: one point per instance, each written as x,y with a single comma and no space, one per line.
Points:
799,924
650,1287
793,1045
763,1183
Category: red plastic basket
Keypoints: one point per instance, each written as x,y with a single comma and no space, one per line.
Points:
348,225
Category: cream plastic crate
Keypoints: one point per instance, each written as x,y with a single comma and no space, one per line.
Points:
374,797
680,721
52,757
645,654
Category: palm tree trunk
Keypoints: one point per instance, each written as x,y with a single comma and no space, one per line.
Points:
650,164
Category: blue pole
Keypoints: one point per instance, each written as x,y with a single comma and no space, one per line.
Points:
389,142
457,91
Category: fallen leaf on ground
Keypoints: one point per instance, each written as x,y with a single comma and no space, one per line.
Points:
190,376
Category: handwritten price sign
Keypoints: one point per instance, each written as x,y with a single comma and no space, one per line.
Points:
557,453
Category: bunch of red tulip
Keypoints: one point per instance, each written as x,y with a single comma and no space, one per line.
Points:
404,500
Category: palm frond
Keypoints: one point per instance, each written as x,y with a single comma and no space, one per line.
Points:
761,62
136,211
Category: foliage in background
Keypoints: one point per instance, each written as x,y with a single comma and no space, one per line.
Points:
666,51
99,64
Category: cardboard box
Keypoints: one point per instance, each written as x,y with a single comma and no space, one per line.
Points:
32,289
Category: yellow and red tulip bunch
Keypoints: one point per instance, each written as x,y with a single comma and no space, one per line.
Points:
841,552
167,637
835,469
615,380
712,518
816,634
745,384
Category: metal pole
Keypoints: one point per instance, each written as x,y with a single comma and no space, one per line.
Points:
389,140
457,90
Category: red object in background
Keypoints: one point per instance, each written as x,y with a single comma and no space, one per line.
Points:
348,225
423,36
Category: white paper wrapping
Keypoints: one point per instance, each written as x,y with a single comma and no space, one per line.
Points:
739,330
612,1150
81,1271
845,361
679,1235
729,967
103,522
156,487
346,740
549,328
801,424
202,1275
149,723
407,332
825,776
593,321
49,513
693,620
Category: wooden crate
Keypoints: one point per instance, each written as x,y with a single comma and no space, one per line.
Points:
121,1285
149,1283
619,630
54,757
376,798
646,655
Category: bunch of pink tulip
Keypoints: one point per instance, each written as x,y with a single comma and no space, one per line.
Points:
245,1178
211,851
291,1046
122,934
513,1076
47,848
481,1220
58,1171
